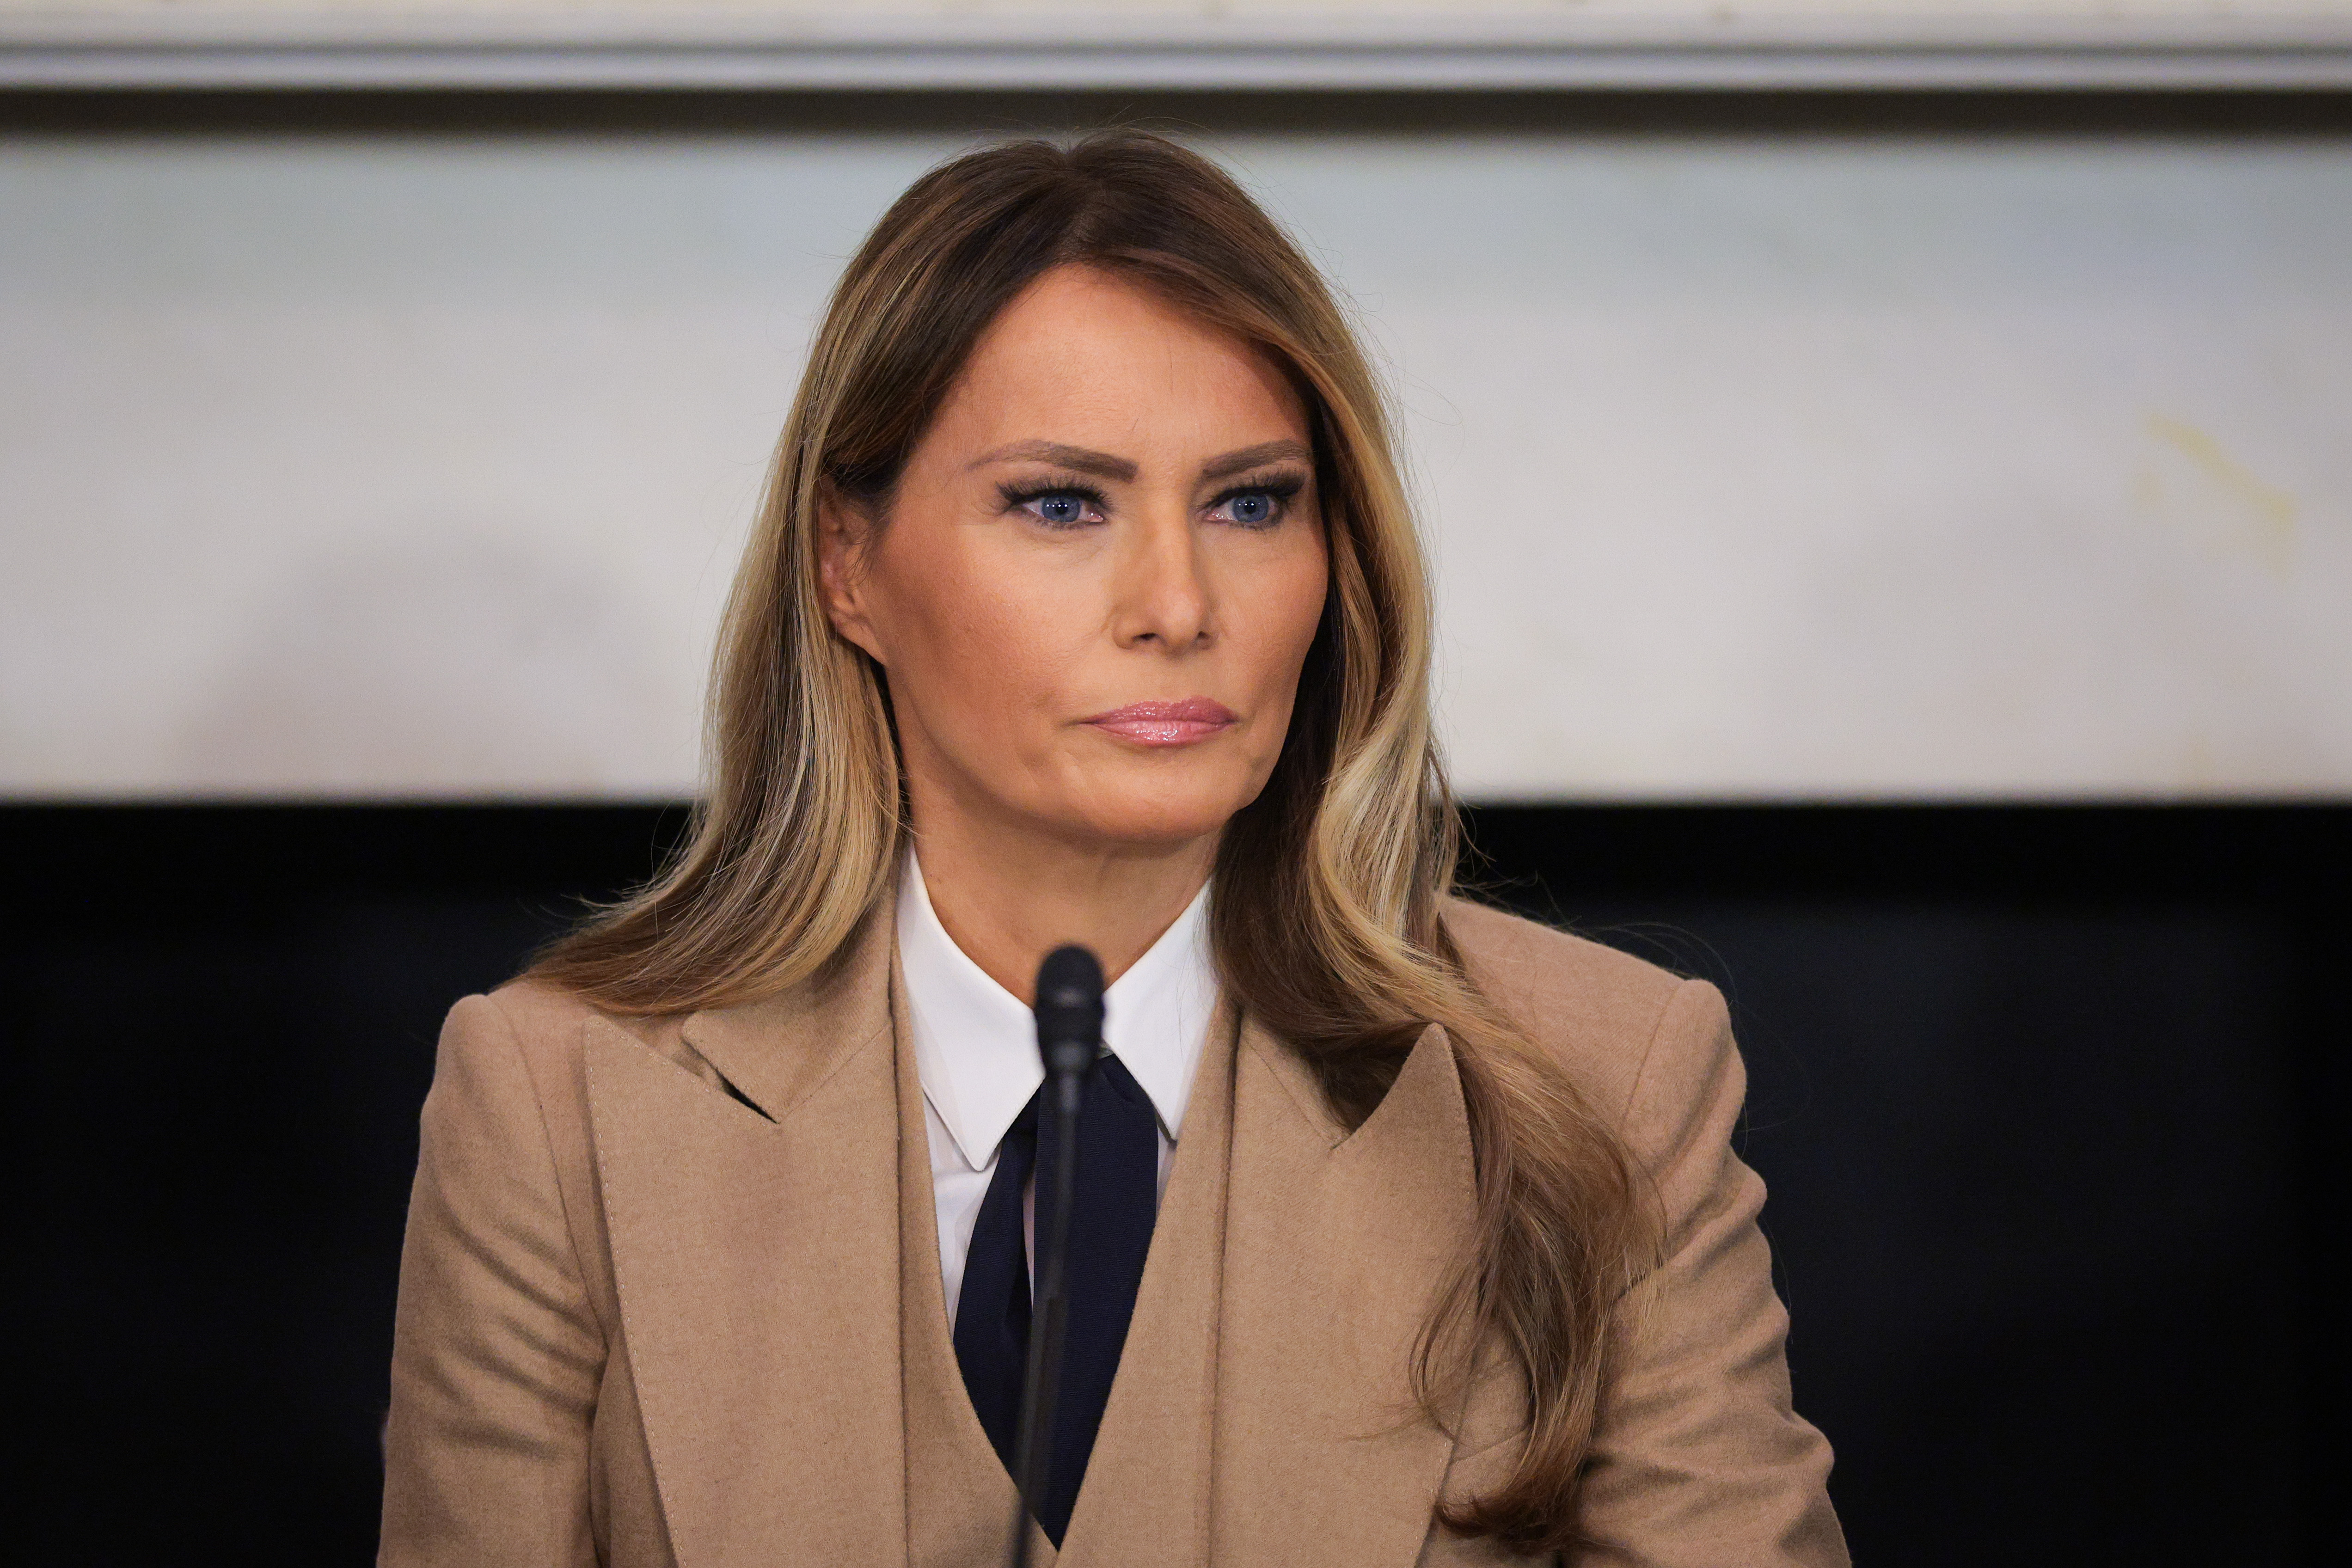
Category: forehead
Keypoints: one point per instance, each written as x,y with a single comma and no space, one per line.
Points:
1086,357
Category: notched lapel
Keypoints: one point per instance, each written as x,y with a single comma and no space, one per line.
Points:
756,1266
776,1052
1335,1245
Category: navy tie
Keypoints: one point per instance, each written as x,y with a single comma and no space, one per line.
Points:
1116,1197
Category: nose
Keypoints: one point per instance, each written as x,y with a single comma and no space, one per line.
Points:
1163,597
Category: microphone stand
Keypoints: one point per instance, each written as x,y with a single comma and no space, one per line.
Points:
1069,1038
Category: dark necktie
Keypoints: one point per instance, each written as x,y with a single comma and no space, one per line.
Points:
1117,1195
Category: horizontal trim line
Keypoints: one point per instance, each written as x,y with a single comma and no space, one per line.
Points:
622,49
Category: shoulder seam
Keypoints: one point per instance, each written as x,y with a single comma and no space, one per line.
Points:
1650,1048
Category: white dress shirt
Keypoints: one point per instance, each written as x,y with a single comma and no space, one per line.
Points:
976,1050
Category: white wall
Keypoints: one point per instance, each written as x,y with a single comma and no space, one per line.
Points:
1756,468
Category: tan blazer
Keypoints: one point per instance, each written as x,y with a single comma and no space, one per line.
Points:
670,1295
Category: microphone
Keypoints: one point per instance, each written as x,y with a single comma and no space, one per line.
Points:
1069,1038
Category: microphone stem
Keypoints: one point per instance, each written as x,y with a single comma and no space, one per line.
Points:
1033,1448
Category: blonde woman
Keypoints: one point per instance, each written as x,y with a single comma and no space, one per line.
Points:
1086,605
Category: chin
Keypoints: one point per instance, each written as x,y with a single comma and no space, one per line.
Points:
1161,799
1156,816
1149,826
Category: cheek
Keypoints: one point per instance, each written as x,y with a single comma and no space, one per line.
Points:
970,641
1289,607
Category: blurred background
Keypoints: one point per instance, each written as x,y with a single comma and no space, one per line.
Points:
1889,472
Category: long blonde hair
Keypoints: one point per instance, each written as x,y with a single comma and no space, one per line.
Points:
1328,925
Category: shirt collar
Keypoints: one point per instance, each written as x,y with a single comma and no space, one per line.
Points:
976,1045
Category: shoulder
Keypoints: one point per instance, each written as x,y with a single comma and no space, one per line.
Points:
529,1038
1639,1040
508,1122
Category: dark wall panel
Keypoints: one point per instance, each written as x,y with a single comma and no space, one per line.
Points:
2045,1097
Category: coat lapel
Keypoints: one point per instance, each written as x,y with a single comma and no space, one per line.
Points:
1146,1492
756,1251
1335,1245
960,1500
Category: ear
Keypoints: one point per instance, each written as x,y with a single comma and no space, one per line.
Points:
841,573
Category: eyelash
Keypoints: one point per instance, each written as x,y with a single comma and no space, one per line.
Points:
1284,489
1018,496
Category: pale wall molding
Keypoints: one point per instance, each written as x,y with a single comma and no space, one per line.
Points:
811,45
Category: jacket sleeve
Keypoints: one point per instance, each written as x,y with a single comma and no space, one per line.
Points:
497,1352
1700,1460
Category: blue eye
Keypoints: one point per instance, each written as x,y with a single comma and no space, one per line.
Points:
1058,508
1252,508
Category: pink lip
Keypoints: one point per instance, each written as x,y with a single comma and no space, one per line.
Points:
1166,723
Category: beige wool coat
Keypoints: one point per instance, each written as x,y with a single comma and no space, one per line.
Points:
670,1295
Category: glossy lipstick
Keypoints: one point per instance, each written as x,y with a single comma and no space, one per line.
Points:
1166,723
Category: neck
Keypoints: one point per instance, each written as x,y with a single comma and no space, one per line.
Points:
1009,901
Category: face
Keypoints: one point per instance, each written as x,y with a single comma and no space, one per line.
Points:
1100,577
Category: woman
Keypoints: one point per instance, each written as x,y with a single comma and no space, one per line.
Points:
1086,605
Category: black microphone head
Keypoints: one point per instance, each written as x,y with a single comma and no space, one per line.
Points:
1069,1009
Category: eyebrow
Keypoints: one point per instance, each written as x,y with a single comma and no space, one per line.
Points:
1255,457
1086,460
